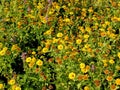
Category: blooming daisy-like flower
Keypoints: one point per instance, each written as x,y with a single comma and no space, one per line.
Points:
59,35
1,85
111,61
28,59
11,82
72,75
78,41
82,65
60,47
118,54
39,62
44,50
18,88
86,88
117,81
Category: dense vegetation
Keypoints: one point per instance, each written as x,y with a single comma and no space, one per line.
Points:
59,44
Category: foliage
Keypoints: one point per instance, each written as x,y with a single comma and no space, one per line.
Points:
59,44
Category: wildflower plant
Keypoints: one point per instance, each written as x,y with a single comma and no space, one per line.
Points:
59,45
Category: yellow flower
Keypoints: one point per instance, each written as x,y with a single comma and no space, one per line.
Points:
1,86
82,65
33,59
84,70
13,87
55,40
109,78
105,64
15,47
100,44
78,41
90,10
104,61
28,59
67,20
71,13
48,32
87,68
84,9
117,67
118,55
86,88
72,75
43,19
31,64
87,46
18,88
81,28
11,82
44,50
5,48
86,36
107,23
33,52
88,29
2,52
60,47
117,81
40,6
39,62
59,35
111,61
83,49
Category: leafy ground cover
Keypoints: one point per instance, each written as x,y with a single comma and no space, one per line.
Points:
59,45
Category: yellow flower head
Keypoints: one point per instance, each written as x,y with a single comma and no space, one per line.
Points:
111,61
88,29
87,45
11,82
39,62
33,59
117,67
118,55
33,52
44,50
5,48
117,81
72,75
86,36
109,78
82,65
86,88
13,87
60,47
31,64
1,86
78,41
15,47
18,88
67,20
28,59
59,35
84,70
2,53
40,6
48,32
